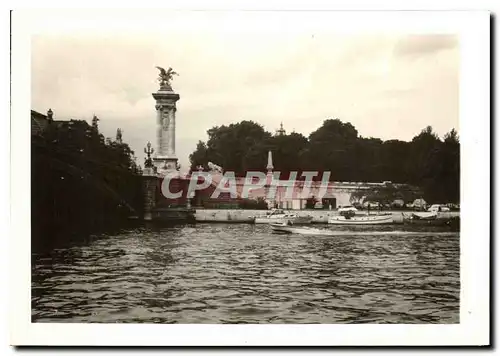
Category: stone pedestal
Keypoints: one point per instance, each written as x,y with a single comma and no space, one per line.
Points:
165,159
149,186
159,205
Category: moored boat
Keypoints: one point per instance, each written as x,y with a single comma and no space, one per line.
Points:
279,216
305,230
302,230
361,220
424,216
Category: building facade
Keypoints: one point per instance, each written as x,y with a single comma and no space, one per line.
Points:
291,194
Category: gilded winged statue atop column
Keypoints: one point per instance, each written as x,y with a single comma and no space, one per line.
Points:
165,77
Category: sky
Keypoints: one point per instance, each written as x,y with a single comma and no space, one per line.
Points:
388,85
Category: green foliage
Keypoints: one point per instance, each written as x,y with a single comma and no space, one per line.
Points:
332,147
257,204
311,202
76,137
386,194
238,147
426,161
199,157
80,180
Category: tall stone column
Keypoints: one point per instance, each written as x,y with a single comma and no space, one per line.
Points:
161,168
165,158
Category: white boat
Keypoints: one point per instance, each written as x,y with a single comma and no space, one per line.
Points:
347,209
302,230
279,216
361,220
424,216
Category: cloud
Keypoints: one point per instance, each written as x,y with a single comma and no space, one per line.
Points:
421,45
371,81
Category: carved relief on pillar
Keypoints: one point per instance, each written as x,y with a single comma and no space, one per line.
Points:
159,109
171,145
159,131
166,119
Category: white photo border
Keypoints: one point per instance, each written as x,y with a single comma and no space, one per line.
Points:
473,30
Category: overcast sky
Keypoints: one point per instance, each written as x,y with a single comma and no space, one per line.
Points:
387,86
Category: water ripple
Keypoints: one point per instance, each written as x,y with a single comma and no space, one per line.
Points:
246,274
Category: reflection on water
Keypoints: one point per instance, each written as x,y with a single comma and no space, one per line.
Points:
216,273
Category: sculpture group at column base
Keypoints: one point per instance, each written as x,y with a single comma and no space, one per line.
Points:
165,164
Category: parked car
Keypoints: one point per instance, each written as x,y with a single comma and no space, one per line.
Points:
398,204
357,205
438,208
318,205
419,204
371,205
453,206
348,211
346,208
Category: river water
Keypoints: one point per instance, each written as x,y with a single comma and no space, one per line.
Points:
221,273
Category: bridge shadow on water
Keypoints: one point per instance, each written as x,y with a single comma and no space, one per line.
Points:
66,236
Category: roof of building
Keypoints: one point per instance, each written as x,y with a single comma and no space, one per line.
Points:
40,121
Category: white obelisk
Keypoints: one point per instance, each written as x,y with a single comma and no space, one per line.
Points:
270,184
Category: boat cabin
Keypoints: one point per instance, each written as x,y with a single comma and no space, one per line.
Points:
279,212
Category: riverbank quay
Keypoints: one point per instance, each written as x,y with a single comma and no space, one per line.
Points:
319,216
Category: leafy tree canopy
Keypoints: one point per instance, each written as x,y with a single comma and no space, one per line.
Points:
425,161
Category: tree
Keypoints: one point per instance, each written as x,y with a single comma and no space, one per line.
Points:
80,181
311,202
199,157
238,147
258,204
393,161
332,148
287,152
449,173
425,161
386,194
333,131
366,161
452,137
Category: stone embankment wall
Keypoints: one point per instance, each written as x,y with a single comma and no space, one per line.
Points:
319,216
